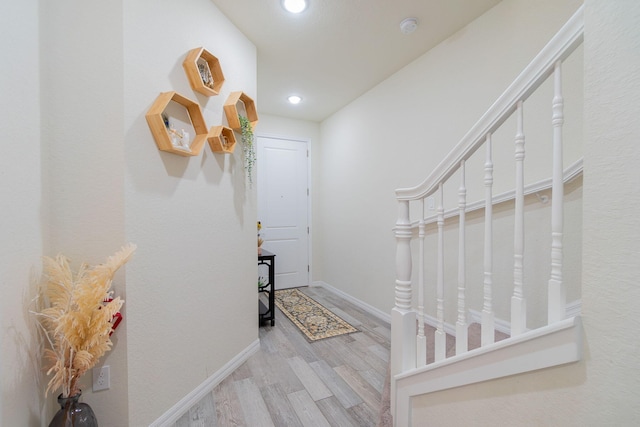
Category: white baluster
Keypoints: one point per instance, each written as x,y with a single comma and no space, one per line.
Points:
557,293
440,335
488,317
518,302
421,340
462,330
403,318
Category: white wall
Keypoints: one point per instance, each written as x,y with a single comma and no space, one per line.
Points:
611,202
83,176
82,118
23,233
602,389
191,295
302,130
394,135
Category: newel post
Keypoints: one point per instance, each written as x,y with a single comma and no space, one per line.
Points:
403,318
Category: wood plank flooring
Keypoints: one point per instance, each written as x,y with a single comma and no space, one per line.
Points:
290,382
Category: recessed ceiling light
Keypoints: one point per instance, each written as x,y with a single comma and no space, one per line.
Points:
294,99
408,25
294,6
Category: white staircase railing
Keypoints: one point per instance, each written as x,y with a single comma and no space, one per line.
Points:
409,371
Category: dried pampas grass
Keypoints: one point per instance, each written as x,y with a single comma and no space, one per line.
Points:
76,319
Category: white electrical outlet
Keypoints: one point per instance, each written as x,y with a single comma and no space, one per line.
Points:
101,378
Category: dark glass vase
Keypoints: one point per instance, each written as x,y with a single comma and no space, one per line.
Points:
73,413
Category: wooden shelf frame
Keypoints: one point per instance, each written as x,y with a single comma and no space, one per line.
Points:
190,66
159,129
216,140
231,110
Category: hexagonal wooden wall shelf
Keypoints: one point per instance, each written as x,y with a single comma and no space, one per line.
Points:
237,104
203,71
170,140
222,139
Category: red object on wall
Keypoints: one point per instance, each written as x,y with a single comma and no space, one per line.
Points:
115,320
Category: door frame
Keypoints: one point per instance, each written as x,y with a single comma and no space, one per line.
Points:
306,141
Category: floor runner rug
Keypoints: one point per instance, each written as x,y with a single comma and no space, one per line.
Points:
315,321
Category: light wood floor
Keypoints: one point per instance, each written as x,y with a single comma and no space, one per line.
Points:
291,382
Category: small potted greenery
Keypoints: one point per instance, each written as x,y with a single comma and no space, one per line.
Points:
248,147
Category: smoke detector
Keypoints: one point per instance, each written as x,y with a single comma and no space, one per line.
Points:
408,25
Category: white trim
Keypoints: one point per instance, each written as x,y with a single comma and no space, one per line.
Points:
385,317
474,316
432,321
552,345
500,325
180,408
571,173
309,204
574,308
309,214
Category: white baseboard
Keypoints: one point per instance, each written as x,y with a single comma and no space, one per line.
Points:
501,325
385,317
432,321
179,409
573,309
552,345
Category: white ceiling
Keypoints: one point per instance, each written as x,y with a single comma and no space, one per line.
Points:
336,50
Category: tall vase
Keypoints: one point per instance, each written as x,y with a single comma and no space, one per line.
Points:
73,413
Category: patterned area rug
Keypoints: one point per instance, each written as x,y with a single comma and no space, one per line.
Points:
315,321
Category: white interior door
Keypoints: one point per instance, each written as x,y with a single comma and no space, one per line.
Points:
283,203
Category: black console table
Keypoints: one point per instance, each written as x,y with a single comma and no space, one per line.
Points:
265,313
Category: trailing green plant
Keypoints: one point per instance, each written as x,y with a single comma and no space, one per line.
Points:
248,147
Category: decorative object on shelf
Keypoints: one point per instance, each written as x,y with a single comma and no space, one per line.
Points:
248,147
179,139
73,413
260,241
240,104
222,139
162,116
203,71
75,313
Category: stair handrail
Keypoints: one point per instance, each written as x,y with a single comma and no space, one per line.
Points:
572,172
558,49
407,347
